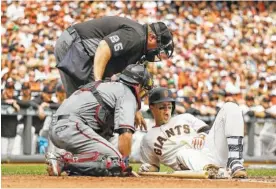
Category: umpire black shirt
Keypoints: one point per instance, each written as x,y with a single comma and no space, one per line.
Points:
126,39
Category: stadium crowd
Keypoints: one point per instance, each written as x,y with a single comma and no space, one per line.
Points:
224,51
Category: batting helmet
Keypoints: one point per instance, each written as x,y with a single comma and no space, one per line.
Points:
135,74
161,94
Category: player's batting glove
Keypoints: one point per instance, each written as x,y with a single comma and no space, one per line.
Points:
145,167
199,141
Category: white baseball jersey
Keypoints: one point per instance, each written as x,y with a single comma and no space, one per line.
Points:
171,143
161,144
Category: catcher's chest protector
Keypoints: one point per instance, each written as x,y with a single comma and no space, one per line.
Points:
104,113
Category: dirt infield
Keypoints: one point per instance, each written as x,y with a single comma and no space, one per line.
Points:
41,181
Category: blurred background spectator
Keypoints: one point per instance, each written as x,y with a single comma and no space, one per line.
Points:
224,51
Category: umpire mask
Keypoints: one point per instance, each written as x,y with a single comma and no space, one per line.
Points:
164,40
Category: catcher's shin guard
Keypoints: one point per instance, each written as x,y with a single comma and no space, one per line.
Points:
93,164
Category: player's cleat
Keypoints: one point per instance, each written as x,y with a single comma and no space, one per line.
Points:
54,165
237,169
240,173
213,171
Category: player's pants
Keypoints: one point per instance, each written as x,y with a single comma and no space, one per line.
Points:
62,47
76,137
229,122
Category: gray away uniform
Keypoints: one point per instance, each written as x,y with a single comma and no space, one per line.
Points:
77,133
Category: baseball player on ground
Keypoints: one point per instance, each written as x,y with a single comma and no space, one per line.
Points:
85,122
184,142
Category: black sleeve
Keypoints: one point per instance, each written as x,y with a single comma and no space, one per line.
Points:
122,41
205,129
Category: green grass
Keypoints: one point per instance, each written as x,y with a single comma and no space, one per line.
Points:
40,169
21,169
261,172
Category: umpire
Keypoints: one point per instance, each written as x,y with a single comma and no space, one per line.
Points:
98,48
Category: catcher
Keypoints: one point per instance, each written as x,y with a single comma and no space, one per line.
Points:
184,142
85,121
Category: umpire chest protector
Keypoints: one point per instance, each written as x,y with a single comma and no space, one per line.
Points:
104,113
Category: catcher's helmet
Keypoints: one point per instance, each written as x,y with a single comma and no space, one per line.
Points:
161,94
135,74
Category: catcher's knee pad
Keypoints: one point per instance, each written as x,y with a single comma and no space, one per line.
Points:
93,164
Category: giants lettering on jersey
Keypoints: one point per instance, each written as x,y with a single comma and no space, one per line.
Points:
177,130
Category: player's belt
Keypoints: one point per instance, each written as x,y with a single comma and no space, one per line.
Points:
59,117
71,29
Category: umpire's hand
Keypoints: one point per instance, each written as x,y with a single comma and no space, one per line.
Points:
139,121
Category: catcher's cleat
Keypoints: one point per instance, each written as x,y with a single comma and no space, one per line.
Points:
127,172
240,173
213,171
54,165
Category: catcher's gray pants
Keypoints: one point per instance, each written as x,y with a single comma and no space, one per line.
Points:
76,137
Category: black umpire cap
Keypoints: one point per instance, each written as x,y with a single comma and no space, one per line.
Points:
161,94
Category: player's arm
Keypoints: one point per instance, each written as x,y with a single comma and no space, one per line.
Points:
125,141
124,121
200,127
150,162
146,167
102,56
204,129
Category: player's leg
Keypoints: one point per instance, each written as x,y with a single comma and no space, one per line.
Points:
197,160
226,139
70,85
192,159
61,48
90,153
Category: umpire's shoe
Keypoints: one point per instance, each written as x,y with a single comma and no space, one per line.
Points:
54,164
